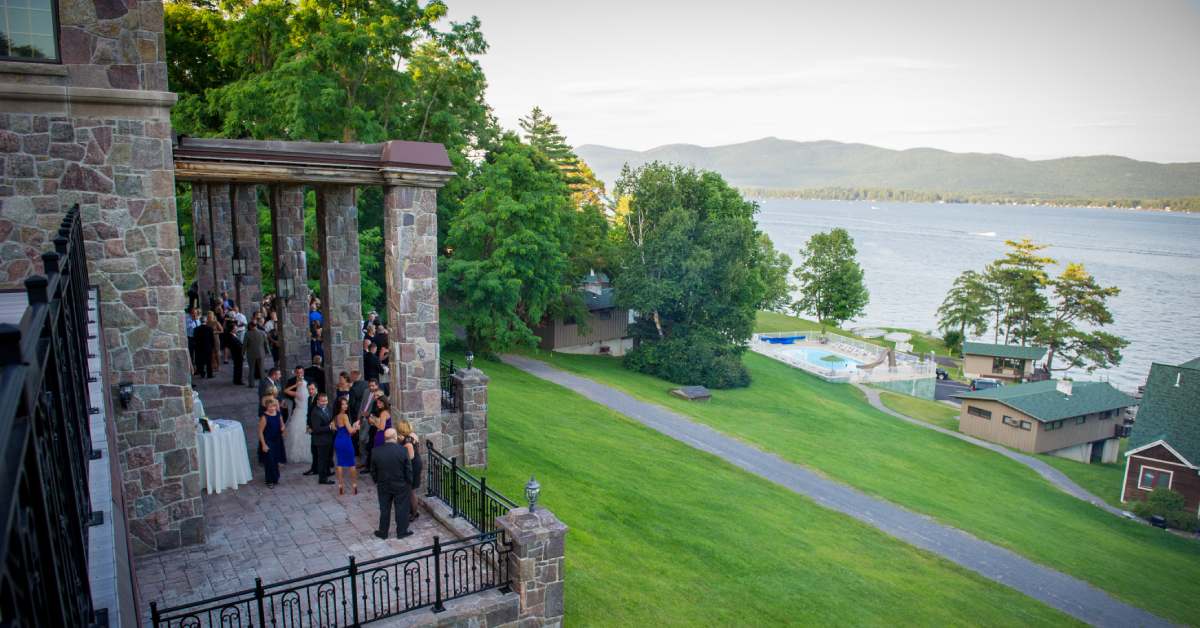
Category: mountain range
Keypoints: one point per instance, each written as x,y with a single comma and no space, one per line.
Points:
786,164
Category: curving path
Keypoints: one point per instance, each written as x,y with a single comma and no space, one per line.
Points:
1066,593
1052,475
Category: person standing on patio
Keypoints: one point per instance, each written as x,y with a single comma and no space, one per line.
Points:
343,445
270,439
320,429
206,343
297,446
393,483
256,352
191,323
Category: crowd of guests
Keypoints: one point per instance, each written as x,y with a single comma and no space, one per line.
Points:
337,433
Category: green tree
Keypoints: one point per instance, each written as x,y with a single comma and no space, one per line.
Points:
776,267
965,306
543,134
692,267
830,279
1021,276
1080,304
509,268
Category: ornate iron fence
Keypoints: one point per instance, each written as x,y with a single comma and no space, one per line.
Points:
449,394
45,438
358,593
466,495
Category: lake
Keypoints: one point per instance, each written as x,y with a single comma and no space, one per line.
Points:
911,253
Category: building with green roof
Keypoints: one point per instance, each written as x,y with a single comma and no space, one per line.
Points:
1078,420
1010,363
1164,446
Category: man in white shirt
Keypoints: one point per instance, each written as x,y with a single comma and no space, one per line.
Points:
191,322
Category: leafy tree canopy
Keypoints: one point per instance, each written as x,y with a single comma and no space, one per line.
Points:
830,279
692,265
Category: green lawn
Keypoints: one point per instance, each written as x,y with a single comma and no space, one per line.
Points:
1102,480
829,427
662,534
933,412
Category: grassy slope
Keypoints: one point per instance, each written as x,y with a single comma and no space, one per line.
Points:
933,412
662,534
829,427
1101,480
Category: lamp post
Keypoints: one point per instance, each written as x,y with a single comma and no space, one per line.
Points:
203,256
284,284
532,490
239,270
470,360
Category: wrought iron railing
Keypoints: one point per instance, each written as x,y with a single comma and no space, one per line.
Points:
45,435
449,394
466,496
358,593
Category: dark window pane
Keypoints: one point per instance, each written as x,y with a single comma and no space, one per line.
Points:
27,30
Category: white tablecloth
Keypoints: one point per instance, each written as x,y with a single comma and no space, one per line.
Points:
224,459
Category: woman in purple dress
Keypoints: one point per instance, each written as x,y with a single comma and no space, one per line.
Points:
382,418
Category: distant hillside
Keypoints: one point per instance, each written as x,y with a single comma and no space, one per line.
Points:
776,163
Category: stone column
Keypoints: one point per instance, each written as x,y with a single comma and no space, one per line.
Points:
287,222
341,280
245,221
201,226
410,243
535,564
222,236
472,387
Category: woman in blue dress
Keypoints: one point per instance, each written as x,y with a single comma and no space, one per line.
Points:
343,445
270,439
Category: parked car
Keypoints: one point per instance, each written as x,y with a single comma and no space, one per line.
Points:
984,383
942,374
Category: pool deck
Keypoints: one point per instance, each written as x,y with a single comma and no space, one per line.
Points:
906,368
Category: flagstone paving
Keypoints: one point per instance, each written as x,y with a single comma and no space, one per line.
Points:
297,528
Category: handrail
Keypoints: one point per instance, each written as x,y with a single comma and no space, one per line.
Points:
45,504
466,496
360,592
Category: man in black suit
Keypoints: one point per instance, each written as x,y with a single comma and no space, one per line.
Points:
316,374
392,482
372,369
319,421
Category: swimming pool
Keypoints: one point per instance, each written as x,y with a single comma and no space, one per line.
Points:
824,358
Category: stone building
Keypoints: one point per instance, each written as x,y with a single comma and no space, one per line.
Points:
85,122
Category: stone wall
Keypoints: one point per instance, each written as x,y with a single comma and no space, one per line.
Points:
472,388
221,214
410,241
341,280
96,131
120,173
536,564
200,227
287,212
245,220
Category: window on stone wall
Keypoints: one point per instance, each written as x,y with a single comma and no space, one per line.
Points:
28,30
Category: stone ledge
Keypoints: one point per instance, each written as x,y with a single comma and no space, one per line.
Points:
87,95
25,67
459,526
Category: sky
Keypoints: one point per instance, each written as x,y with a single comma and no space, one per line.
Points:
1034,79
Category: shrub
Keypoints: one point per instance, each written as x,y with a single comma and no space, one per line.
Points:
953,340
690,362
1171,506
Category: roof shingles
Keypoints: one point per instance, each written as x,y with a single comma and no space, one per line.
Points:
1043,401
1170,409
1003,351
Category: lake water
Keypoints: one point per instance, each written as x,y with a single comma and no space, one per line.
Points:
911,253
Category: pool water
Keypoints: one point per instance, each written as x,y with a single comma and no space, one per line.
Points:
816,357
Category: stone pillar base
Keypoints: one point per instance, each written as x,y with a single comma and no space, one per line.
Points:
536,563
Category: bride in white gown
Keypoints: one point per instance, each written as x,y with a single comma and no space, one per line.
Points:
298,441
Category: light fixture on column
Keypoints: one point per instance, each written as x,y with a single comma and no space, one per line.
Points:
286,284
203,250
532,490
239,263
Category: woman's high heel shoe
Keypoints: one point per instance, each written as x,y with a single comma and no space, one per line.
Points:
341,490
356,489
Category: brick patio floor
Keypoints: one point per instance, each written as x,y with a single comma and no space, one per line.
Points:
297,528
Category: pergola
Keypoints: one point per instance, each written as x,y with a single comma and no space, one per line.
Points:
225,174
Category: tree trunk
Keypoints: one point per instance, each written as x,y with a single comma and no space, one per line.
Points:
658,323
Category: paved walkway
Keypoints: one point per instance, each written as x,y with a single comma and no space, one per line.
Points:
1066,593
297,528
1052,475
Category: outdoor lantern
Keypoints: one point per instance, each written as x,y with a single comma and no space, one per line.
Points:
239,263
532,489
286,283
125,393
203,250
470,360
